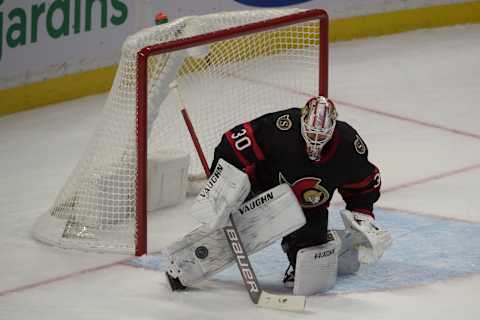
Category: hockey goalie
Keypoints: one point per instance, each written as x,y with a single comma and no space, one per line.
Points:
287,165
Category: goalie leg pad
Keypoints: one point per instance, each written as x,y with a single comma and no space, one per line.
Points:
316,269
260,222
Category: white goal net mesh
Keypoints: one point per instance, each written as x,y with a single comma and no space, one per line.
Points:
223,84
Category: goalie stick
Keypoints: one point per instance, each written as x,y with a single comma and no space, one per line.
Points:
258,296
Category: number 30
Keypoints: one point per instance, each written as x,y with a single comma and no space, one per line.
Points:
241,141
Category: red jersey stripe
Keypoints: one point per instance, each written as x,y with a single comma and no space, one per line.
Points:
345,194
256,148
245,163
365,182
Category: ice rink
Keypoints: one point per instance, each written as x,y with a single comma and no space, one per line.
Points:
414,98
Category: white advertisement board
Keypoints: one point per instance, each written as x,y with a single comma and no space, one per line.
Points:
44,39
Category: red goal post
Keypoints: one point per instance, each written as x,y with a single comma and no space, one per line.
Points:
142,76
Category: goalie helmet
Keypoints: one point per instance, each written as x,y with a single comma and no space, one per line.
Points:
317,125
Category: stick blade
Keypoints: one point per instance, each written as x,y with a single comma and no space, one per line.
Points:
282,302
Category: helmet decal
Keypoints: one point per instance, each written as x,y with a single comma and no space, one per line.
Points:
318,121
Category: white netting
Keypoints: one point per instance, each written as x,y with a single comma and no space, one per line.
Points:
224,84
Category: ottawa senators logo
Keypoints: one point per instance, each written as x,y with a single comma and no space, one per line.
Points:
309,192
359,145
284,122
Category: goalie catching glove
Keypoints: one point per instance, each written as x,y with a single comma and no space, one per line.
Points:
368,238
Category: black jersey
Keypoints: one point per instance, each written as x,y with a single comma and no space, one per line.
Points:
271,150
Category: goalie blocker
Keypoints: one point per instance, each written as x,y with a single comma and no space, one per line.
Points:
226,189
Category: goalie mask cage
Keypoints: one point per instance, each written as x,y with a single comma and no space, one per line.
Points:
229,67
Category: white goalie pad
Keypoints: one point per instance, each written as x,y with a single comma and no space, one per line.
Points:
367,237
260,222
223,193
316,267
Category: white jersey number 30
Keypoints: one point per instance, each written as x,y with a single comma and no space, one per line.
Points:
241,140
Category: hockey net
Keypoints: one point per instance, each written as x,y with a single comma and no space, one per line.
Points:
230,67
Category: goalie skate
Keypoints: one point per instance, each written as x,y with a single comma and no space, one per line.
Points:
260,221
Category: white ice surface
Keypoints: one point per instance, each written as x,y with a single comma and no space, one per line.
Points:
414,97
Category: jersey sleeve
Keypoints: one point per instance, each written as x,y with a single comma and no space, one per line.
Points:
362,188
239,146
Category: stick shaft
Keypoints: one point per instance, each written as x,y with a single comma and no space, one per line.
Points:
196,143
